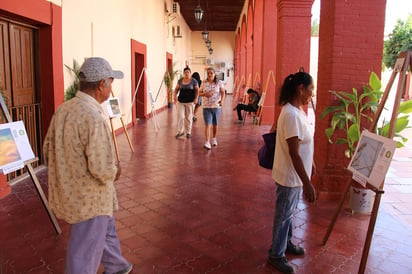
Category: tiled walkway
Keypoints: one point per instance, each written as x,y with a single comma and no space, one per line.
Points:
188,210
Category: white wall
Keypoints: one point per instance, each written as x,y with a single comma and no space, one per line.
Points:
105,28
223,44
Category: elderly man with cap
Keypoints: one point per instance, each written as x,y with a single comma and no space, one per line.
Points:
82,168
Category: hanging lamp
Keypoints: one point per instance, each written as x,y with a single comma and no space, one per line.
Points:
198,13
205,35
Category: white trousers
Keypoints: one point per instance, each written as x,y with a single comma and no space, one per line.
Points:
185,117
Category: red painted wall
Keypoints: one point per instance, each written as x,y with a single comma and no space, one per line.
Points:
237,60
257,41
249,45
243,61
350,48
269,34
293,39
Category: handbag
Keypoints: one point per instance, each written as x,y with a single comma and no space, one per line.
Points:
266,153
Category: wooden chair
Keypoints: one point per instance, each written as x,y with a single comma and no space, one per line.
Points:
255,114
260,109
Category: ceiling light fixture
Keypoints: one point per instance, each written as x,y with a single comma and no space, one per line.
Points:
198,13
208,43
205,35
210,51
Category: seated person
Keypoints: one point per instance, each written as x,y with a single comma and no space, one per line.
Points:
251,106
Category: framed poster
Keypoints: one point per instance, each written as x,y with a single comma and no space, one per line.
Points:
372,158
15,147
113,107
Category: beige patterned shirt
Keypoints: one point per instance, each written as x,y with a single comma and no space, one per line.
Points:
80,156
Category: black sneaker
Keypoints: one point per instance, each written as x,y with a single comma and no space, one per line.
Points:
281,264
180,134
294,249
194,118
188,136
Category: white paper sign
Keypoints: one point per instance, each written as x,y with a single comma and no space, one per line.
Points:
15,147
372,158
113,107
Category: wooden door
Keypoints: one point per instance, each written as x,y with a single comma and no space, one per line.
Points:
17,80
22,64
5,77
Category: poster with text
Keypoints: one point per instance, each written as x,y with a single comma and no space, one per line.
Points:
372,158
15,147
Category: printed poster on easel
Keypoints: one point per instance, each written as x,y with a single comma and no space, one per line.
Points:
15,147
372,158
113,107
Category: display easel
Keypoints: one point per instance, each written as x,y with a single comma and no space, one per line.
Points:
403,62
33,176
114,135
153,111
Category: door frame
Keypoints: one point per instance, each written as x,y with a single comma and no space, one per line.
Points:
138,60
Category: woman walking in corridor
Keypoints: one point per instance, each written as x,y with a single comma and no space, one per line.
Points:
186,93
213,92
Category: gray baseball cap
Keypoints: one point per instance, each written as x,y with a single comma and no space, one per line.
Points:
96,68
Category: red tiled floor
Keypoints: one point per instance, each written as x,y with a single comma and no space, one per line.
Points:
187,210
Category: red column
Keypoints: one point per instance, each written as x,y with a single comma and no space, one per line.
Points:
243,51
257,40
249,45
293,44
51,66
237,59
269,58
350,48
5,189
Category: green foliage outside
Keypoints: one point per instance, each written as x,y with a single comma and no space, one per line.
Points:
399,40
402,122
71,91
315,28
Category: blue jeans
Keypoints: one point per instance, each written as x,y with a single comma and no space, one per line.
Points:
211,115
286,203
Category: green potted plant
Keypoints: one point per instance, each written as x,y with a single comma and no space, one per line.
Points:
71,90
168,78
348,117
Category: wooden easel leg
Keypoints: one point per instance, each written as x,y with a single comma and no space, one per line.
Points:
127,134
369,234
338,210
43,199
114,140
